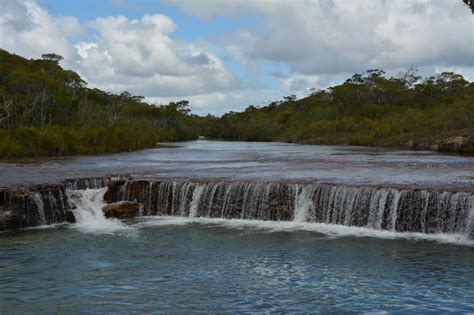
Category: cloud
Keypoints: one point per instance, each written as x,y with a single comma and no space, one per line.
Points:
292,46
116,53
329,37
219,103
299,84
141,55
28,30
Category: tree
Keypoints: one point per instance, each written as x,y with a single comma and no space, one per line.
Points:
183,107
409,77
289,98
52,57
6,110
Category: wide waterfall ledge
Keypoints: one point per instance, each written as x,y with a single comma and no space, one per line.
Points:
380,208
394,209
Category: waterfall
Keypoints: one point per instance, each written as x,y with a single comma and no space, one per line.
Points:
29,207
193,208
378,208
398,210
303,202
87,205
38,201
86,183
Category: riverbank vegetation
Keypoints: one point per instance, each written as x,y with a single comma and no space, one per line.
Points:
48,111
435,113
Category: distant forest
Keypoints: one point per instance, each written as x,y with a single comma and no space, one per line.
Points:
48,111
435,113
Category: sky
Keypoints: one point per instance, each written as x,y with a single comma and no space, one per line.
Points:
224,55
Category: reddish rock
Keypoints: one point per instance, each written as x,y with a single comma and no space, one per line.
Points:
452,144
114,191
122,210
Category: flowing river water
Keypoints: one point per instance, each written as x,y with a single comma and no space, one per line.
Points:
189,260
257,161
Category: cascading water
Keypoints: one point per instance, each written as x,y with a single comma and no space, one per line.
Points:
39,205
303,202
87,205
38,201
389,209
193,207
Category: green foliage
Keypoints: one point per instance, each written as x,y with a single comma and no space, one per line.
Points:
368,109
48,111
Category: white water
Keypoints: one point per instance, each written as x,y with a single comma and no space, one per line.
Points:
40,206
90,219
303,202
331,230
88,212
193,209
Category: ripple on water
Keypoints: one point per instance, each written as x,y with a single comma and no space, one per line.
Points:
177,265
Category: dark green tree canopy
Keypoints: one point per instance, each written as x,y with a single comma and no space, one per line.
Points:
52,57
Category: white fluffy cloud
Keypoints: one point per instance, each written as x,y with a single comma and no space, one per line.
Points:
140,55
136,55
317,43
328,37
28,30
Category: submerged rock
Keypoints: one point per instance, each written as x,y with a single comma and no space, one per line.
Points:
122,210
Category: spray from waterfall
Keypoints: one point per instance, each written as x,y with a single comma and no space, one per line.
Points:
87,206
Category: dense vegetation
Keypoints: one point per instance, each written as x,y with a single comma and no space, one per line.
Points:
368,109
48,111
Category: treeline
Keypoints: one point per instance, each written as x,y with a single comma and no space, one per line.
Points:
369,109
48,111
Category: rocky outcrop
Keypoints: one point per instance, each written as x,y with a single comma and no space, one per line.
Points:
401,209
41,205
29,207
123,210
453,144
115,191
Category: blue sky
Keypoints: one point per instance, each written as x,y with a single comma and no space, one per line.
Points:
224,55
189,28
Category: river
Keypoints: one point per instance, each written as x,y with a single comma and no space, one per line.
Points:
199,258
257,161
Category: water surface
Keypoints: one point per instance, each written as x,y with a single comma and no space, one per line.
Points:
183,265
179,265
258,161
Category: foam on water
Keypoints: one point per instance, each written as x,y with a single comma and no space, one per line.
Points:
331,230
88,212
